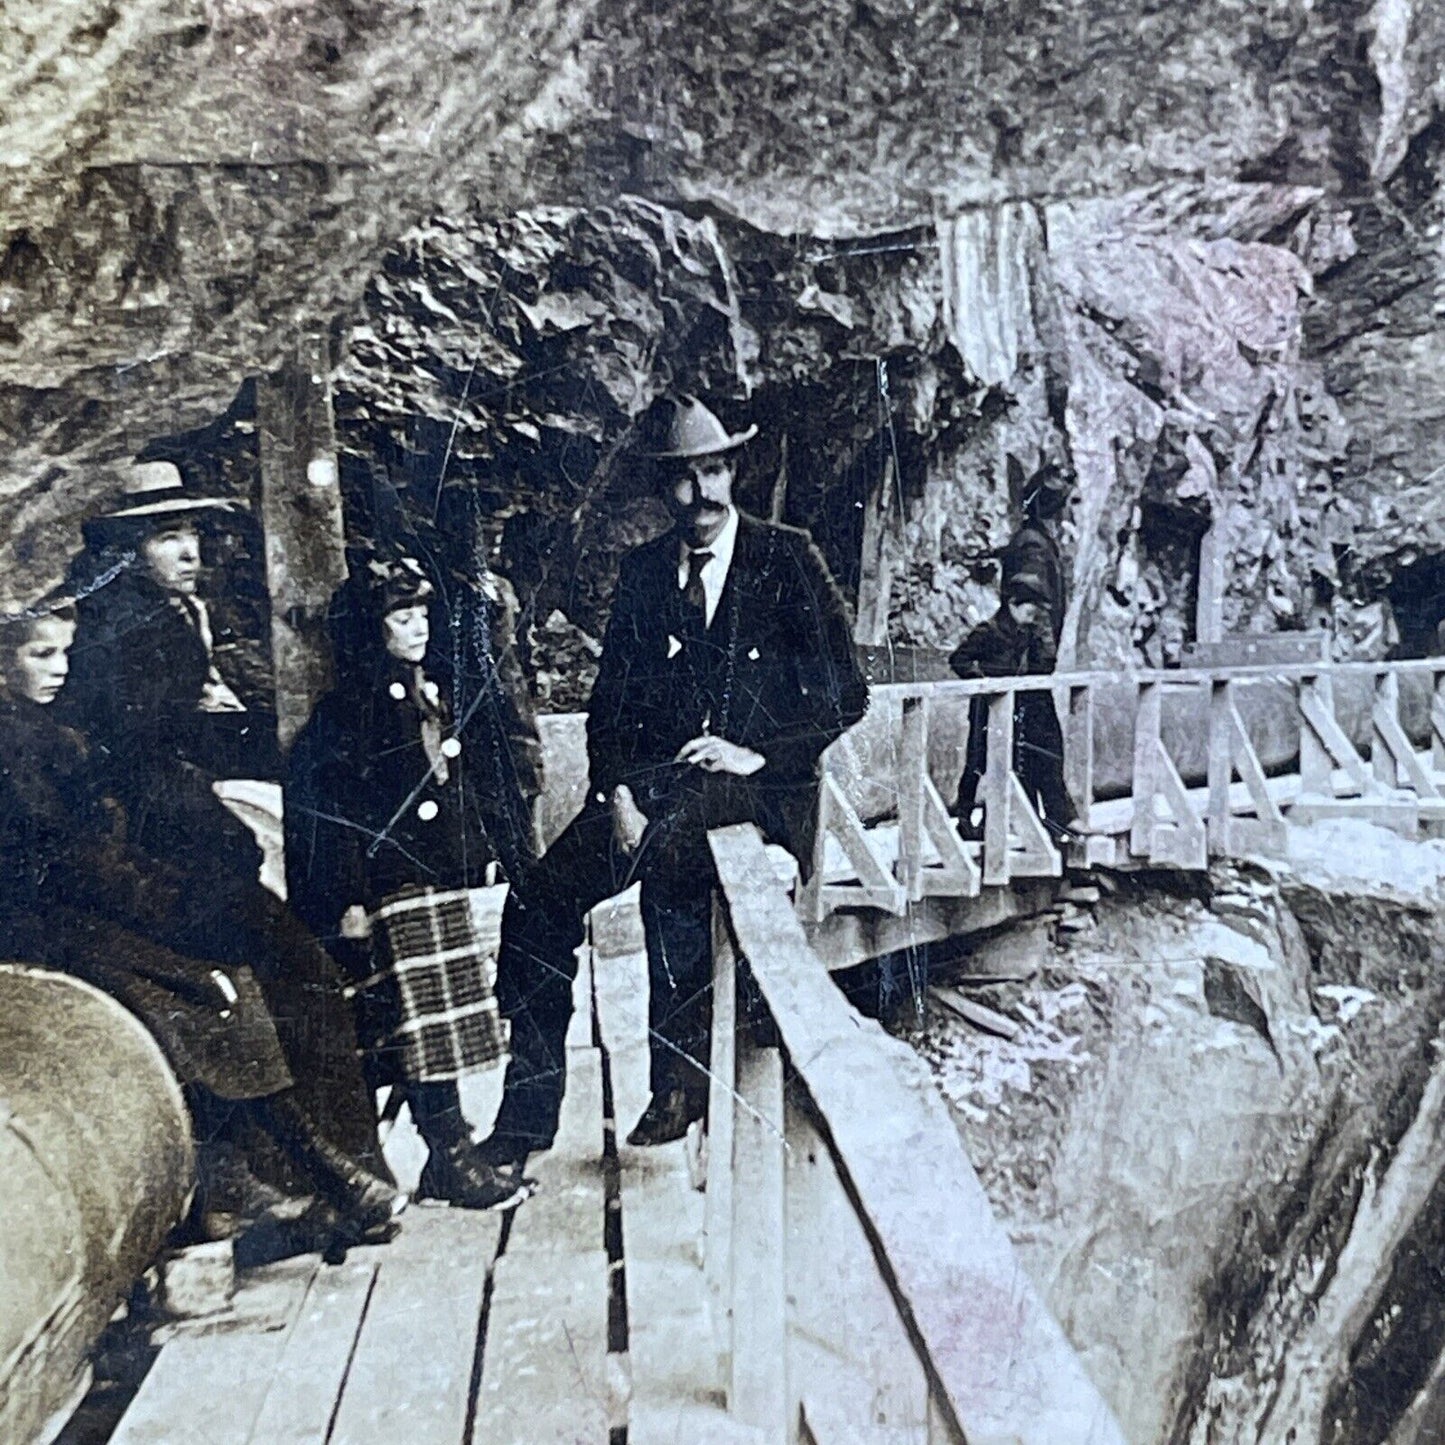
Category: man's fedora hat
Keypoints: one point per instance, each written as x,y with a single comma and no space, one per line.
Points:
155,489
680,428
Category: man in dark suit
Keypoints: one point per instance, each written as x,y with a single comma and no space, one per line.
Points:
726,669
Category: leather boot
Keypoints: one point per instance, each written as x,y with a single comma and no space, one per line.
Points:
371,1204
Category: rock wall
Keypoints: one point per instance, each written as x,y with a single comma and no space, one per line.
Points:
1216,1143
195,182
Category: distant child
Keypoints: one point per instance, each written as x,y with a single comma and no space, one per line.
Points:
1018,641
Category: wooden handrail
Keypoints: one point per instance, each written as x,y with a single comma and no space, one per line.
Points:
996,1362
1167,677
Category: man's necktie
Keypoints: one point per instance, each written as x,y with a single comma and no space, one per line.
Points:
694,596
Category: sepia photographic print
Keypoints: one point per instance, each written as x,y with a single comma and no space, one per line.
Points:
722,723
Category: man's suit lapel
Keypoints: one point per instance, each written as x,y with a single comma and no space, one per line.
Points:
741,584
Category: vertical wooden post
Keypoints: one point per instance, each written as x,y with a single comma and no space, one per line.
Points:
1146,767
1382,759
1316,767
1437,724
1221,763
1209,605
875,573
912,770
810,895
758,1396
722,1095
998,790
1079,749
301,516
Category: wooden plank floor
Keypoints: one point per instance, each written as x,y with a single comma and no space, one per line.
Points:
676,1395
467,1329
545,1378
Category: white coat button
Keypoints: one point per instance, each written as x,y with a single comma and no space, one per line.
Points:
397,690
426,811
451,748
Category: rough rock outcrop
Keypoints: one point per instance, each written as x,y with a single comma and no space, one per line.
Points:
195,182
1216,1143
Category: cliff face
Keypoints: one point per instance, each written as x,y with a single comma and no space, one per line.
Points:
193,185
1216,1144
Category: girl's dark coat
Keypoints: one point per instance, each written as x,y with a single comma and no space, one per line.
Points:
366,814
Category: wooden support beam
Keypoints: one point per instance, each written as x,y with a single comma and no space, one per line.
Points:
1146,767
300,510
1219,813
1031,851
811,905
1079,749
998,791
924,820
1392,753
1437,723
877,886
1323,744
1181,842
721,1110
957,875
1316,767
1209,604
1231,752
912,775
758,1389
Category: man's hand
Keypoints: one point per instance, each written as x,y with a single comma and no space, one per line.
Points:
717,755
629,822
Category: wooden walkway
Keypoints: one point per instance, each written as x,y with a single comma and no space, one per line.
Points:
829,1285
580,1317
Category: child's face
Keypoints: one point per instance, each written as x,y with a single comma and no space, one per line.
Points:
1023,613
406,632
42,661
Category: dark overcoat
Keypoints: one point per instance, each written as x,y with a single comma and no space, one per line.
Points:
367,813
137,672
80,899
776,672
1031,550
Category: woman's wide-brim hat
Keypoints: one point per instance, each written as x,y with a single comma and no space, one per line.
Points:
155,490
680,428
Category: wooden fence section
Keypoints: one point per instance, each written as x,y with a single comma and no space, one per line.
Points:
1369,769
801,1081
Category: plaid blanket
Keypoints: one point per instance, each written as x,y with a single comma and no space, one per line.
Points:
443,1019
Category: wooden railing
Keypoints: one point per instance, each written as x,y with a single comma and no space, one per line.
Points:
1238,725
858,1275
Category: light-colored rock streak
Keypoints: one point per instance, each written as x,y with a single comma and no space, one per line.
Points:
1389,1206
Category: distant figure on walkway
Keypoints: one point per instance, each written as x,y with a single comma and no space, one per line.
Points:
1034,547
1022,639
144,687
246,1007
727,668
394,806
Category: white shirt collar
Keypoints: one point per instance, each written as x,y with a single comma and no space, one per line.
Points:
715,571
